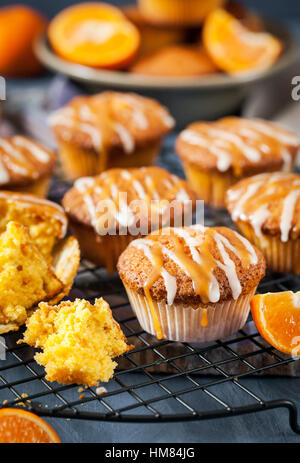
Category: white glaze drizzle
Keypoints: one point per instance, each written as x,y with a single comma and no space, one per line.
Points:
125,137
195,138
194,246
169,280
228,266
252,154
277,133
288,209
258,217
40,154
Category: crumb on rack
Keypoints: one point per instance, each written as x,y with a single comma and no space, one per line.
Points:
101,390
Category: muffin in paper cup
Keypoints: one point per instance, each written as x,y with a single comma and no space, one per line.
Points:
26,166
266,210
107,130
108,211
191,284
216,155
177,12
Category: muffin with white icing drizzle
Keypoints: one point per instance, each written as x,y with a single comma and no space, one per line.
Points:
46,221
107,130
266,209
193,283
108,211
216,155
25,165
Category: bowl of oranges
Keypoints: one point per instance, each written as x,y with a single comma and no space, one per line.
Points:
199,58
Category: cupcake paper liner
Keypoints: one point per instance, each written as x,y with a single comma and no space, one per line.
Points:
77,162
182,323
209,186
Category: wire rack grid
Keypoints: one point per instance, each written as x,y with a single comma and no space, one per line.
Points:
158,380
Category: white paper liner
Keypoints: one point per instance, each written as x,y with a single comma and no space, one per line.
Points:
181,323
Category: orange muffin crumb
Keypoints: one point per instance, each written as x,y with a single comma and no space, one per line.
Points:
26,277
78,339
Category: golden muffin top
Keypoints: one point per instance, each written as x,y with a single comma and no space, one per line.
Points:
111,119
23,160
128,195
270,203
243,146
192,265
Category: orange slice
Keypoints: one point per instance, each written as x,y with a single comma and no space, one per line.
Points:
234,48
277,318
94,34
22,427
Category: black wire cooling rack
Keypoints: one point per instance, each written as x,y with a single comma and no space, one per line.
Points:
158,381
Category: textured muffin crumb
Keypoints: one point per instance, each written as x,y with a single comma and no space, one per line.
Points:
79,341
26,277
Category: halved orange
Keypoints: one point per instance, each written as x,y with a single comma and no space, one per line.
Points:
234,48
22,427
19,28
94,34
277,318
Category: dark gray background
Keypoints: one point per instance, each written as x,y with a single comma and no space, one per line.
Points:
275,8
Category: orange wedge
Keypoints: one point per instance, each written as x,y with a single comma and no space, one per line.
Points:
277,318
22,427
19,28
234,48
94,34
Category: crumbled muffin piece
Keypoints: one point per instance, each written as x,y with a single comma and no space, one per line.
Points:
78,339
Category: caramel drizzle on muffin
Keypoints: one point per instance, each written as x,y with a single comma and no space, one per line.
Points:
144,184
22,158
190,249
232,141
253,199
97,119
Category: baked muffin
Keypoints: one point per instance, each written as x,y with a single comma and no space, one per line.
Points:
27,277
111,129
108,211
153,37
191,284
216,155
25,165
177,12
266,209
45,220
176,61
79,341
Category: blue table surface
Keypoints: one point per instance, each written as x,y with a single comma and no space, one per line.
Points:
266,426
